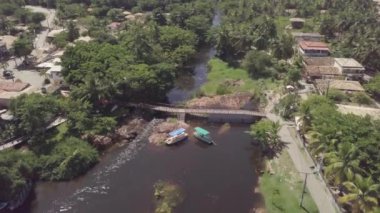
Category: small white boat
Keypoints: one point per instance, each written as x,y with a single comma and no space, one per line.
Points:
177,138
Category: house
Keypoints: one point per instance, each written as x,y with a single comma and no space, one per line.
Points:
324,85
9,90
299,36
322,72
54,73
84,39
114,26
297,23
349,67
313,49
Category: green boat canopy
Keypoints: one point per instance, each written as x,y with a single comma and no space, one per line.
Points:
201,131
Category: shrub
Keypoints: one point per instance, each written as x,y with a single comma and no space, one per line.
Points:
337,95
222,89
361,98
288,106
60,40
69,159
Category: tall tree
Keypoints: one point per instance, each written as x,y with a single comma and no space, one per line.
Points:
73,31
363,193
266,133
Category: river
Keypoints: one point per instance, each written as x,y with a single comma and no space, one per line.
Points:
220,178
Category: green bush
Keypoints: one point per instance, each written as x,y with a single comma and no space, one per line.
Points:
16,168
69,159
361,98
337,95
288,106
222,89
60,40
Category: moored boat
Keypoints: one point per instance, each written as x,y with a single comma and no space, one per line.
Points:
176,136
203,135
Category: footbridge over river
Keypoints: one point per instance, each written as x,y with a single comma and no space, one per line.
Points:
226,115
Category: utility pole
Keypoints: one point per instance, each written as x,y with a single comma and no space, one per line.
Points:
304,184
303,189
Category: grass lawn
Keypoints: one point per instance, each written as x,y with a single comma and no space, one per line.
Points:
282,191
234,80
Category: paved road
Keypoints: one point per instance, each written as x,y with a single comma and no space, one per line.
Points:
317,188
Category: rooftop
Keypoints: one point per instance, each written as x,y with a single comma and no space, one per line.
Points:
10,90
53,33
301,34
313,45
323,85
45,65
297,20
84,38
348,62
322,70
55,68
12,86
318,61
9,95
114,25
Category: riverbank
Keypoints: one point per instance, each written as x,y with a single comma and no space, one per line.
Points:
281,186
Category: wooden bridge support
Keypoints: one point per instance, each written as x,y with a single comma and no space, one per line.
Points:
181,116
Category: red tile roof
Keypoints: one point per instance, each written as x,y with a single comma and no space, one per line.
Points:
313,45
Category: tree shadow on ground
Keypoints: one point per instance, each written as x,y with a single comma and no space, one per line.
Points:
274,152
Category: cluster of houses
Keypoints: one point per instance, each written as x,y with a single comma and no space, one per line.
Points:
324,71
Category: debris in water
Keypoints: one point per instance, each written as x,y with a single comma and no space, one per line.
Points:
224,128
167,196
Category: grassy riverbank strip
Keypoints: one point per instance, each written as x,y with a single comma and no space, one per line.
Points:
223,79
282,190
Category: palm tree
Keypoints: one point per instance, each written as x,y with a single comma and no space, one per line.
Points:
266,132
343,164
363,194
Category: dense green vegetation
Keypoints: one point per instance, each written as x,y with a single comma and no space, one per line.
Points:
140,63
350,149
353,30
373,87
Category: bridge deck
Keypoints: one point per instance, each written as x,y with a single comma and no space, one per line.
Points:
201,111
